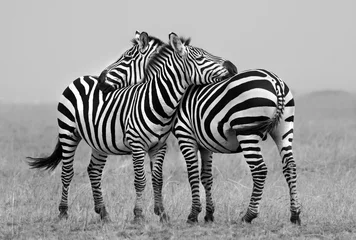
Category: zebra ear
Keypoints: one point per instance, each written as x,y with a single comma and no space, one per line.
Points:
137,36
143,41
176,43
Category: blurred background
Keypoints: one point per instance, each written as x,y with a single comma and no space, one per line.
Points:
45,45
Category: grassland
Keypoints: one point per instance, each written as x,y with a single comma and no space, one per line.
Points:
324,147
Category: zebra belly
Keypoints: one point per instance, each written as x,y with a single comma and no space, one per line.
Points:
105,136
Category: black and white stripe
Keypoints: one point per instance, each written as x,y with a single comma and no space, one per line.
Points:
86,113
234,116
136,119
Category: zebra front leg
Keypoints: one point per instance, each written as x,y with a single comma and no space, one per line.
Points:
252,153
138,156
69,145
157,158
189,151
95,169
207,181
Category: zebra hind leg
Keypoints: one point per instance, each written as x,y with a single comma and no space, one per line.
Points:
69,145
207,181
156,164
252,153
283,137
95,169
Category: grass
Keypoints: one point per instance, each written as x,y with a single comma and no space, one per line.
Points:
324,149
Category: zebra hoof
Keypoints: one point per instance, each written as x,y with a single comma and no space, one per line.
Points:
63,216
138,219
249,216
192,219
295,219
104,215
209,218
63,212
244,220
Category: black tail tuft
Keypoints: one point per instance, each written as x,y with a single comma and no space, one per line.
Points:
47,163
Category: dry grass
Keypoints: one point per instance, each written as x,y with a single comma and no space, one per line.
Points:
324,151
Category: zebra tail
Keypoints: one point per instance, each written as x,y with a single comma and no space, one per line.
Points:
269,125
47,163
273,122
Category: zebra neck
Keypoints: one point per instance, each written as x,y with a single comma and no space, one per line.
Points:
165,90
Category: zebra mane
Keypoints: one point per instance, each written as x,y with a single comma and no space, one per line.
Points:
165,48
185,41
135,42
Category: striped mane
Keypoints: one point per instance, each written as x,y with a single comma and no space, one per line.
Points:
150,38
185,41
155,57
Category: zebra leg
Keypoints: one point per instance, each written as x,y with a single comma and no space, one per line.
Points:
207,181
138,156
95,169
283,137
157,158
69,145
189,151
252,153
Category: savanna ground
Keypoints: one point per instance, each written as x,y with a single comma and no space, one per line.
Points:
324,148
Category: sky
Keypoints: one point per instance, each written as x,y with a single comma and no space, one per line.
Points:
47,44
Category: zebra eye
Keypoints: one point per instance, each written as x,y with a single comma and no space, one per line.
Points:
200,55
129,54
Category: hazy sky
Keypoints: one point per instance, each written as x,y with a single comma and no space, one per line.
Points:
46,44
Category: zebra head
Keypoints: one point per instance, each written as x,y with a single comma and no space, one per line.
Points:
200,66
129,68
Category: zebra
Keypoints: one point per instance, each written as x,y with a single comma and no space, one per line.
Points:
129,68
233,116
132,120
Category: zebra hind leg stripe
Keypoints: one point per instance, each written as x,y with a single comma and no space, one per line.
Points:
95,169
252,153
69,145
283,137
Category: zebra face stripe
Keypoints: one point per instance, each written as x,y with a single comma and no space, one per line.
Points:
130,67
